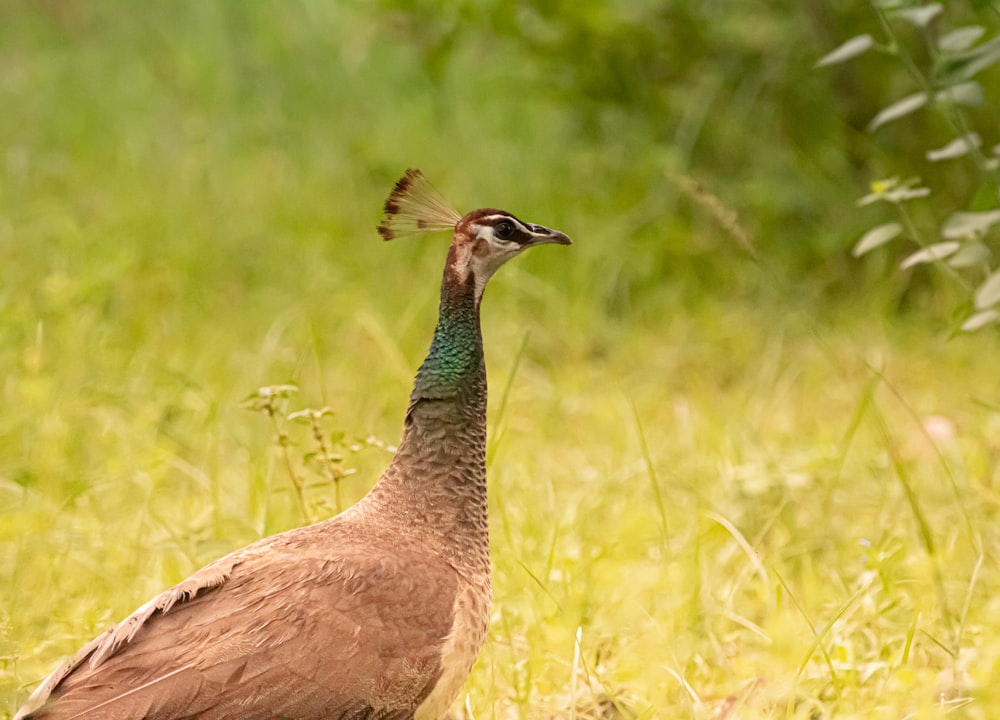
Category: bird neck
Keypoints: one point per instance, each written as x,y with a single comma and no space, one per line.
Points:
454,367
435,487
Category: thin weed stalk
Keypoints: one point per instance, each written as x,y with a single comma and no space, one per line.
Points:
270,400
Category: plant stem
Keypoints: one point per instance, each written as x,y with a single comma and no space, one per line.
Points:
282,440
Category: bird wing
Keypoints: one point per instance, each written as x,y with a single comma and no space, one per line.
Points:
277,629
100,648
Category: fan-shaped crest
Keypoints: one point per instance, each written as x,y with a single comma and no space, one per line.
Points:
414,207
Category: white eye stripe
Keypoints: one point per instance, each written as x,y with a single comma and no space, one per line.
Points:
497,219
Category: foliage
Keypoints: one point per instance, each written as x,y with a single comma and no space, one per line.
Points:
945,62
323,461
722,485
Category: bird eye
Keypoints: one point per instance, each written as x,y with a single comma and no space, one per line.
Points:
503,230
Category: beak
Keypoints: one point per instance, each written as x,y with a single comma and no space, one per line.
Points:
541,235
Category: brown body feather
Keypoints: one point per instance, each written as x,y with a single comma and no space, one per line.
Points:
290,632
345,618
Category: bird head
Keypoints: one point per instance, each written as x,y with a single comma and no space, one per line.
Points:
482,240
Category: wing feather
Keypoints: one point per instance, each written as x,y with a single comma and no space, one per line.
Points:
276,629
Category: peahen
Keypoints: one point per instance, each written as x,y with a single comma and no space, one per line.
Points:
378,612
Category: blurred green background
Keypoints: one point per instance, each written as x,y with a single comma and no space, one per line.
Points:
757,474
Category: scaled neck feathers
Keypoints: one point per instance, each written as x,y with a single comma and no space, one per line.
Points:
436,484
454,368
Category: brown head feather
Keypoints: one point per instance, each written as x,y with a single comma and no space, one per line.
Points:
414,207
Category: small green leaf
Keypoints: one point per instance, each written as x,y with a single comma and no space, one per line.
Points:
969,224
908,194
895,196
852,48
893,191
875,237
879,188
971,255
956,148
988,294
264,398
900,108
981,319
937,251
968,93
920,16
960,38
957,68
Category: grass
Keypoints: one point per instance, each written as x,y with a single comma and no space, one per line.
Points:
709,503
797,579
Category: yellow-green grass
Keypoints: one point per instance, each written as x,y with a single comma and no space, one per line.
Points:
713,494
796,521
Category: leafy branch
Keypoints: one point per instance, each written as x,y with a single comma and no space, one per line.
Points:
324,458
946,82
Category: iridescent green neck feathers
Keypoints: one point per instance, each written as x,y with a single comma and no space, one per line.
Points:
455,359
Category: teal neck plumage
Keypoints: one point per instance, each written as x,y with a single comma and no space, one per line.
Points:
454,363
435,488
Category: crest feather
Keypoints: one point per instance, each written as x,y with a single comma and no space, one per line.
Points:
415,207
